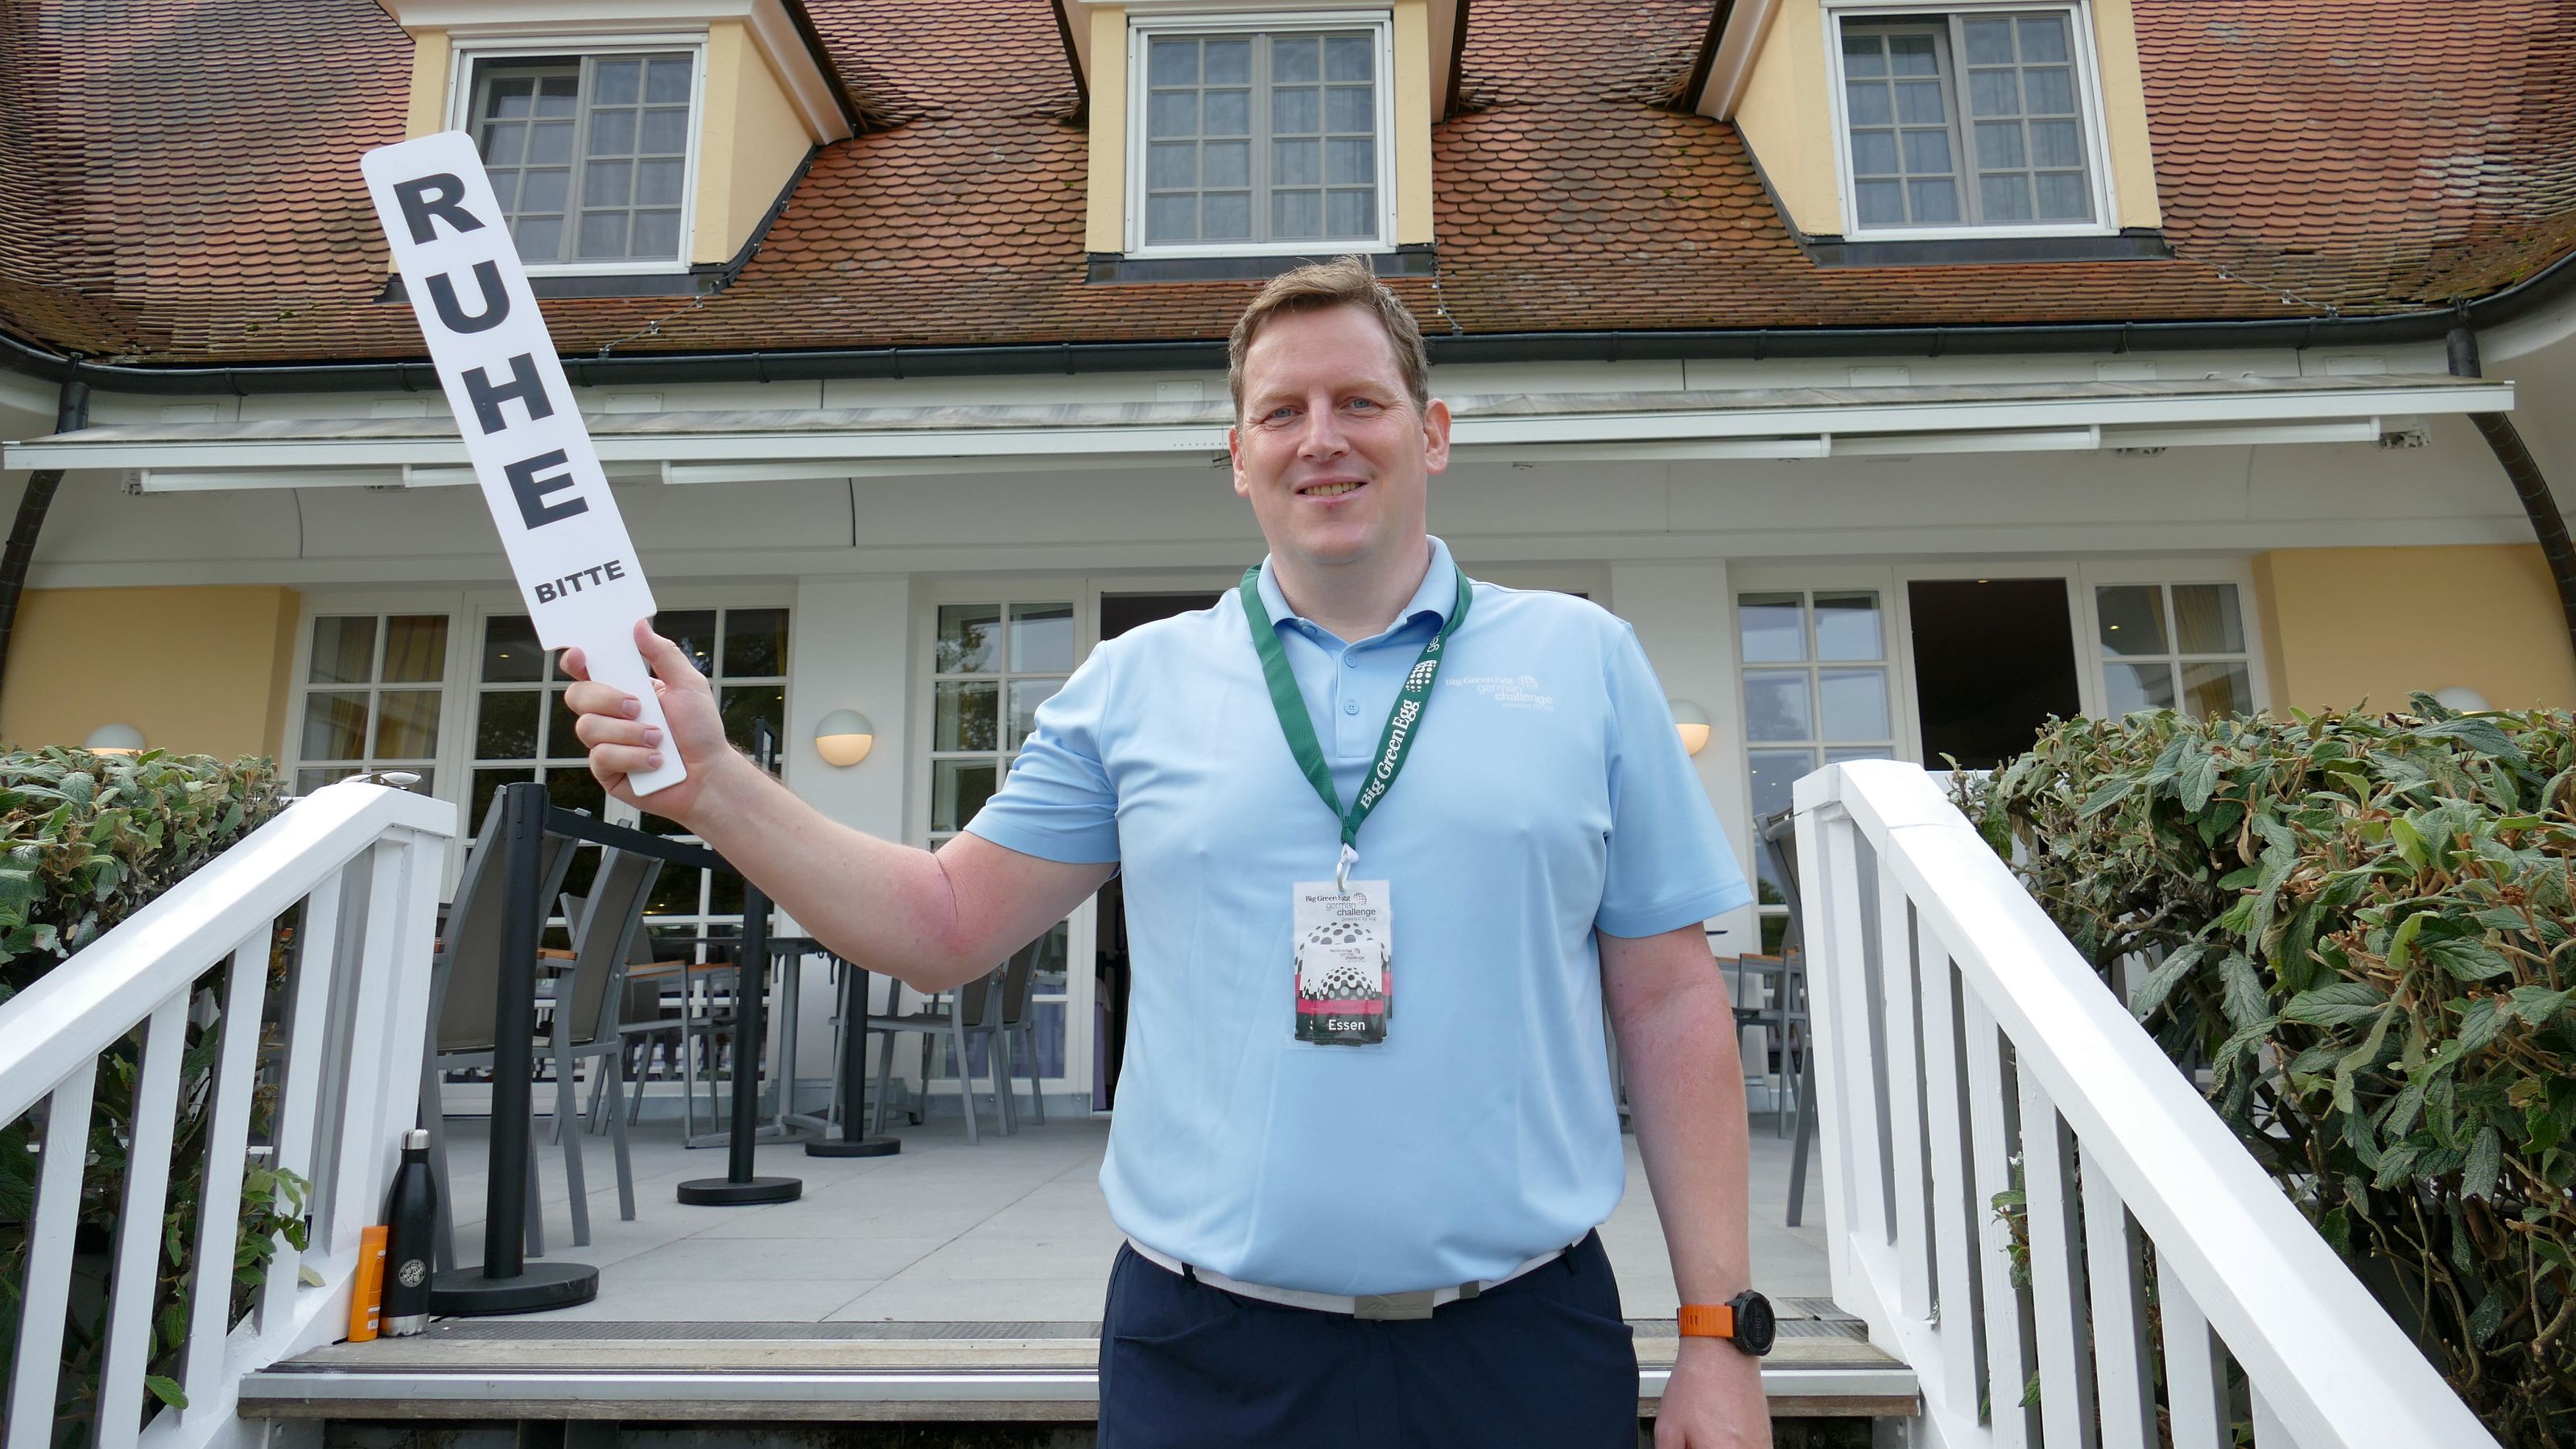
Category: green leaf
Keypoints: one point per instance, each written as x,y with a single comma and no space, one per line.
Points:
2480,1023
2243,999
167,1390
2486,1159
304,1274
2537,1004
2401,945
2159,983
2337,1004
2488,1317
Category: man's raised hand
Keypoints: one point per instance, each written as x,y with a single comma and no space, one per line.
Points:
619,744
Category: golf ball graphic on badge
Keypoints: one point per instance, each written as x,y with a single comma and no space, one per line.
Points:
1338,961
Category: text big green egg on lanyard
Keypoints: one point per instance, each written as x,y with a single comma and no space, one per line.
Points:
1345,929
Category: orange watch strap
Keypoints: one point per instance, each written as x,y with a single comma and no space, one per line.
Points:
1708,1320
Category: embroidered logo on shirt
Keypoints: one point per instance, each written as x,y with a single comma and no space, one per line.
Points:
1511,691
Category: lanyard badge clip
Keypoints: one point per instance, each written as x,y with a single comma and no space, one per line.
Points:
1342,868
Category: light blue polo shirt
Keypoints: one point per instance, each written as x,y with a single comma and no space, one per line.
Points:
1546,796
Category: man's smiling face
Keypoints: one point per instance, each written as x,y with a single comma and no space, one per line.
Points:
1330,449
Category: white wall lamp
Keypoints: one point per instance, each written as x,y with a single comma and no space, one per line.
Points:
114,739
844,737
1692,721
2462,698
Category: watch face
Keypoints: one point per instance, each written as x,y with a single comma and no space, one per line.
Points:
1754,1325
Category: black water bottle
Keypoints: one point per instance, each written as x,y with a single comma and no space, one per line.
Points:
411,1220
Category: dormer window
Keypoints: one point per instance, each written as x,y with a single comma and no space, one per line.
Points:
1975,121
589,154
1273,138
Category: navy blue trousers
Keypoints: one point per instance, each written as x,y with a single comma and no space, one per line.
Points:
1543,1360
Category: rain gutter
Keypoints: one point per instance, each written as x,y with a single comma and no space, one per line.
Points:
2548,524
71,413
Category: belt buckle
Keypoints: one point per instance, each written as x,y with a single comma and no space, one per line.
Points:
1394,1306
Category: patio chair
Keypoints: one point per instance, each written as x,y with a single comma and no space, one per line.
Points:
1779,837
465,976
976,1009
589,1002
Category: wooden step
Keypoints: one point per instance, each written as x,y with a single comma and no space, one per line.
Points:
466,1369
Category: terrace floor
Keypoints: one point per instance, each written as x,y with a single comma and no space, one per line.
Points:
1014,1229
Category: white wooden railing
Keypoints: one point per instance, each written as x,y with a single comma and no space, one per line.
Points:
360,865
1958,1034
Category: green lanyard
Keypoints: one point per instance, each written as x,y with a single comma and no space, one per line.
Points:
1392,746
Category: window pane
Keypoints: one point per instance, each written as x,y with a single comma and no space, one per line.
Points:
1350,108
612,133
2133,618
2056,143
1775,705
657,234
2005,197
344,651
603,234
755,642
1347,58
539,238
606,183
544,191
1296,214
1773,628
406,724
1295,111
559,93
2128,688
1847,627
1226,216
1172,218
694,630
742,705
1294,58
1882,203
1774,771
2217,688
1913,55
1026,696
1874,153
335,726
576,790
1927,153
1173,62
1989,42
1229,62
1993,93
308,781
1296,163
962,715
505,725
1172,113
1999,145
667,79
1920,103
2205,615
1855,703
958,788
2049,90
620,82
2043,38
1863,55
1172,165
504,143
1351,213
1934,201
1225,163
510,652
2064,197
1041,638
657,183
1868,104
1348,163
561,742
1229,113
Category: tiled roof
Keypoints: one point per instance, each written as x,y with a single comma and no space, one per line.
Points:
179,183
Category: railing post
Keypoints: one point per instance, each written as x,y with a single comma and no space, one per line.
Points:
1829,866
227,1155
306,1029
1910,1230
36,1374
138,1225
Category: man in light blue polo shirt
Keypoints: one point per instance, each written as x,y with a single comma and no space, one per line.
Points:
1390,840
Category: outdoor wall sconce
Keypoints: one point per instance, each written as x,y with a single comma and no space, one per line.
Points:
1692,721
114,739
844,737
2463,699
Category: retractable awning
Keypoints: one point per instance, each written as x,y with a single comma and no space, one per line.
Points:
1803,422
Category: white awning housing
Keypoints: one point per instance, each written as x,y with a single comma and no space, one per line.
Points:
746,447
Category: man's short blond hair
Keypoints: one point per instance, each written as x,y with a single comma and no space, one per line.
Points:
1341,282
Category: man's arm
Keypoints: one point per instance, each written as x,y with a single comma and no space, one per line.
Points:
932,921
1677,1048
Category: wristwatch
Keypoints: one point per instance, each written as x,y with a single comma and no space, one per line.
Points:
1744,1320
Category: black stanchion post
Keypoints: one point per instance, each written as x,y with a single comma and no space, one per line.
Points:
740,1186
506,1283
853,1071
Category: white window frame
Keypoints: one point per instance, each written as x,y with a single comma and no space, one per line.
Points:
1140,32
465,54
2088,78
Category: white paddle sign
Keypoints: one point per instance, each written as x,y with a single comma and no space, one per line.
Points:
567,544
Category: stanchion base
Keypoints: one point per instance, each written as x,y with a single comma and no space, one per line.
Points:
854,1147
725,1192
466,1293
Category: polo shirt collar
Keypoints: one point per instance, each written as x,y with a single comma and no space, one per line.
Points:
1436,597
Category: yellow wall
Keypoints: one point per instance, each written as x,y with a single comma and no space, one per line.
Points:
1410,39
1786,114
2346,624
751,143
430,54
1104,221
200,671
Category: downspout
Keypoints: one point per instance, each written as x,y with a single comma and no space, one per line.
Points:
2505,440
70,413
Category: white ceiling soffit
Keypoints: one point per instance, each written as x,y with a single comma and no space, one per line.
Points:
743,447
